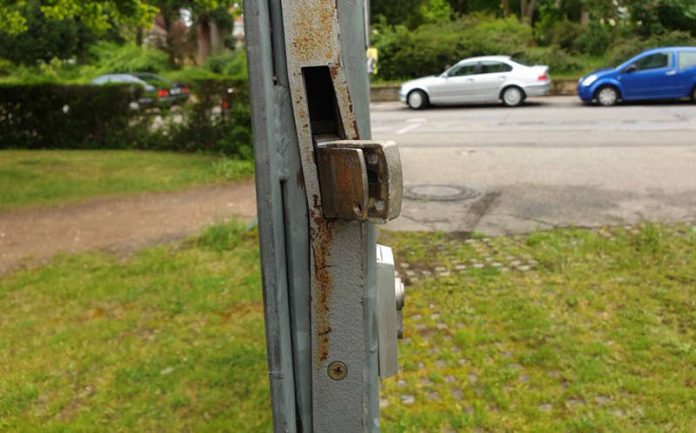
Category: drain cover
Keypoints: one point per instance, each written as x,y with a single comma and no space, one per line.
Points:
440,193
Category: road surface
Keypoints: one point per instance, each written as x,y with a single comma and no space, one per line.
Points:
553,162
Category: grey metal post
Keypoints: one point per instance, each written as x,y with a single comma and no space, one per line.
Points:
307,75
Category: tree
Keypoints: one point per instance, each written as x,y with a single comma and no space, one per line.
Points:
505,6
207,16
97,15
45,38
527,9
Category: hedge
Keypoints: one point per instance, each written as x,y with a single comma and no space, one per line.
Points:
430,48
52,116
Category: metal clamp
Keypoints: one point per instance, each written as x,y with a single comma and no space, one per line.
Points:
359,179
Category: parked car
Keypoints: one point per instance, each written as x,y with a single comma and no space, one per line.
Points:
660,73
158,91
479,79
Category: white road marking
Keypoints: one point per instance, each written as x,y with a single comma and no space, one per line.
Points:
408,128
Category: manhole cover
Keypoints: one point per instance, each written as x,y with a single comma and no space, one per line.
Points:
440,193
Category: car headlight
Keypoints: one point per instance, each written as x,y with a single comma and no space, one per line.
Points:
589,80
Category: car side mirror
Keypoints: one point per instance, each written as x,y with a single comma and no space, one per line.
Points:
630,68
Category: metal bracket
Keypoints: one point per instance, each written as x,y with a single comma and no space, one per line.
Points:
359,179
390,296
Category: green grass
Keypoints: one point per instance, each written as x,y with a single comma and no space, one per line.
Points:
171,340
45,177
560,331
587,332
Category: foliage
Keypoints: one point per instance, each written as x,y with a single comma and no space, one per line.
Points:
594,40
558,60
56,116
624,49
411,13
109,58
233,66
97,15
227,132
596,335
45,39
50,116
47,177
432,47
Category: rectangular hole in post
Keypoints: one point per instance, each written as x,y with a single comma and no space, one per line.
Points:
324,117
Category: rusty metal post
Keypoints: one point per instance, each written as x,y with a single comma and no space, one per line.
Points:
310,97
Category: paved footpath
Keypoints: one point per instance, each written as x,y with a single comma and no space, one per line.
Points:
121,225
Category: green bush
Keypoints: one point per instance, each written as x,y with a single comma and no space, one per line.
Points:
430,48
110,58
232,65
594,39
628,47
218,122
557,59
52,116
61,116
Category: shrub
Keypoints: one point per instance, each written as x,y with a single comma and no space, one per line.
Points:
626,48
557,59
432,47
232,66
99,117
594,39
62,116
110,58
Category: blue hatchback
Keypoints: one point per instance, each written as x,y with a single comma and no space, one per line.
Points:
660,73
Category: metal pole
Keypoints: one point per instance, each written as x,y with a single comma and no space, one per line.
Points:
320,185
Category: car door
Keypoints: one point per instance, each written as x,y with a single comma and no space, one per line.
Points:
652,76
686,72
488,83
457,86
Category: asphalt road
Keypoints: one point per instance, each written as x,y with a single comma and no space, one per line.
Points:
553,162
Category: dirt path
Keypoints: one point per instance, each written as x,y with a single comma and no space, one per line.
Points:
120,225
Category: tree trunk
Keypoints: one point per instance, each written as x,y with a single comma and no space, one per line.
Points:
506,8
203,44
527,9
167,19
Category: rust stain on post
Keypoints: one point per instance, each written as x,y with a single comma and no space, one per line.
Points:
321,242
315,21
345,103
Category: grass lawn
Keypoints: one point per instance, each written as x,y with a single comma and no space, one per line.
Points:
562,331
44,177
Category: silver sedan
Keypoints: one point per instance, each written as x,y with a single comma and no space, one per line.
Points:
477,80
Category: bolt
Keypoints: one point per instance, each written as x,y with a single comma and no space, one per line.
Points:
337,370
372,159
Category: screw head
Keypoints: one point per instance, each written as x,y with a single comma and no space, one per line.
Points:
337,370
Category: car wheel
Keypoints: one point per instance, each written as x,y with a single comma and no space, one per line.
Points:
417,100
607,96
513,96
